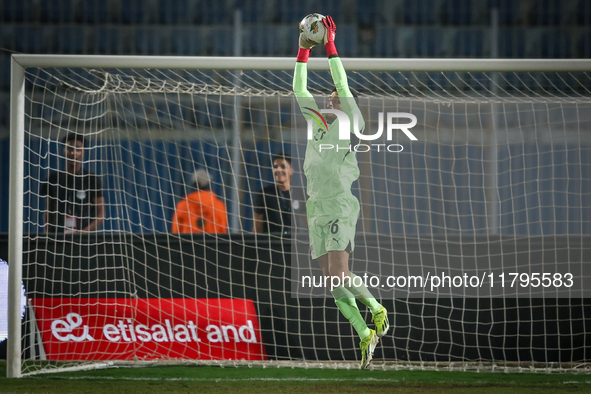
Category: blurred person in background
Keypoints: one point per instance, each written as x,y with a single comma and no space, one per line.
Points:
273,205
74,197
201,211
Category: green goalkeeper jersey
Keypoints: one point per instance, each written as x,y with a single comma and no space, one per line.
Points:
330,164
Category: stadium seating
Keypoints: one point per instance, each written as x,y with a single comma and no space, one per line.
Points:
428,42
584,45
583,13
260,43
214,13
95,11
148,41
107,40
68,39
58,11
511,43
136,11
291,11
421,12
16,11
381,28
179,12
222,40
186,40
30,39
386,42
508,12
556,44
4,79
470,42
548,13
457,12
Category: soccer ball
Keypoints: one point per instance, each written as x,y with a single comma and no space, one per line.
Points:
312,29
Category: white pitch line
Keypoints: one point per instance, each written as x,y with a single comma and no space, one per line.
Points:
220,379
274,380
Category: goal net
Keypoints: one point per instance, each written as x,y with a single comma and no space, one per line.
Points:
475,234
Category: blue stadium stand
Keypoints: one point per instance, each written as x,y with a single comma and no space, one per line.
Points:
5,105
292,12
386,42
136,11
508,11
94,11
428,42
584,45
258,11
511,42
534,191
210,115
187,40
260,42
170,114
367,13
457,12
556,44
108,40
7,38
214,13
421,12
391,12
179,12
584,13
4,83
147,40
222,40
69,39
16,11
30,39
58,11
548,12
347,40
470,43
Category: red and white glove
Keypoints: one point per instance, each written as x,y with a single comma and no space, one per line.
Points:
331,32
305,48
303,53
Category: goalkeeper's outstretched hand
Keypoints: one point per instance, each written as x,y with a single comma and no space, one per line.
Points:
305,47
331,32
305,44
331,29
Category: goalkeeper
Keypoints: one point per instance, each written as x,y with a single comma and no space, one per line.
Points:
332,209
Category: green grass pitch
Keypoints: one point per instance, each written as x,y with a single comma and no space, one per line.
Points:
228,380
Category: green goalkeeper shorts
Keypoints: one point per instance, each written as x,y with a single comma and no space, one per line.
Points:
332,223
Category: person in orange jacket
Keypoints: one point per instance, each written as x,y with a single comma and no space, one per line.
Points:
201,211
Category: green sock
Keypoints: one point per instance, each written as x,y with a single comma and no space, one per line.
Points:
348,307
361,292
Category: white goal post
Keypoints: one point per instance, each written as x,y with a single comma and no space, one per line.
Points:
372,68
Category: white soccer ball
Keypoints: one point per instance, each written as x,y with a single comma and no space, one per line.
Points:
312,29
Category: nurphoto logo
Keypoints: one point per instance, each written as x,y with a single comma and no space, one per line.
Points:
345,127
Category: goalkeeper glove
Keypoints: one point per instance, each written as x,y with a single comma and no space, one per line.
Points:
304,50
331,32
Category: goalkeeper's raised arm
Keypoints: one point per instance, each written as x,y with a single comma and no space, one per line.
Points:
339,76
300,79
337,71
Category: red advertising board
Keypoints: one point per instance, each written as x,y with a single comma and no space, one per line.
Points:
148,329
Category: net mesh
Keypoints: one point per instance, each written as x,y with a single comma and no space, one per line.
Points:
500,174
